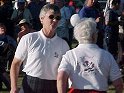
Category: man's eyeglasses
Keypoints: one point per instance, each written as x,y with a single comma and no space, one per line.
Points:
55,17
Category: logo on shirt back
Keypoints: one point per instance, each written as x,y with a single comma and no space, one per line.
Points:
86,65
89,66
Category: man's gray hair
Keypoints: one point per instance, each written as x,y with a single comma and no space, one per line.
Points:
84,30
48,7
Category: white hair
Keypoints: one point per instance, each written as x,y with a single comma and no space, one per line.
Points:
85,30
47,8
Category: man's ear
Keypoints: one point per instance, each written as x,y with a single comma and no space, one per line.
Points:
41,19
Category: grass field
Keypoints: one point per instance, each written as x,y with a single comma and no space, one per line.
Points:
111,88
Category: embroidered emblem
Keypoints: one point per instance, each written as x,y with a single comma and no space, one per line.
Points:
86,65
89,66
56,55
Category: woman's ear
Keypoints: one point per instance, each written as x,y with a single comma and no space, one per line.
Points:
94,37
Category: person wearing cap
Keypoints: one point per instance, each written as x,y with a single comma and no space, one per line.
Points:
41,53
20,13
87,66
25,28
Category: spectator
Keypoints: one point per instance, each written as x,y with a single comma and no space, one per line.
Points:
5,15
64,29
25,28
109,5
35,7
121,34
72,11
20,13
41,53
112,29
90,10
88,67
7,49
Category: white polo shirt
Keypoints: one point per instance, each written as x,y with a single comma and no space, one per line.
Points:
89,67
41,56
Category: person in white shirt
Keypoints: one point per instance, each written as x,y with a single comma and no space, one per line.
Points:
41,53
88,67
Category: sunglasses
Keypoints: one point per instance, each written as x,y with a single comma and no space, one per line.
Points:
55,17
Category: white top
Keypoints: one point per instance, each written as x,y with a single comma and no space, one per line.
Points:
41,56
89,67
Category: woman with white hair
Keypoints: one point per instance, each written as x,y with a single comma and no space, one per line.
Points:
87,66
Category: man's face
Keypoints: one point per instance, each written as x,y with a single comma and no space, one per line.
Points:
50,20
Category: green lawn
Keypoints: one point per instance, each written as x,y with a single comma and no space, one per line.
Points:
111,88
19,84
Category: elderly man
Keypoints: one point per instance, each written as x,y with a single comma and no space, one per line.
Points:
88,67
41,53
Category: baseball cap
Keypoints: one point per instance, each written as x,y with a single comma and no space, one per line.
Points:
23,21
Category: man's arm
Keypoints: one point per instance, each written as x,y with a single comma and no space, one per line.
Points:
62,82
118,84
14,72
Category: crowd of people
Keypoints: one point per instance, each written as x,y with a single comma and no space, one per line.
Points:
36,36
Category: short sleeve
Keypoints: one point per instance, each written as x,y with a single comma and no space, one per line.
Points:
65,64
22,49
114,70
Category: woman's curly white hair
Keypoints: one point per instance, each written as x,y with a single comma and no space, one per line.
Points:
84,29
